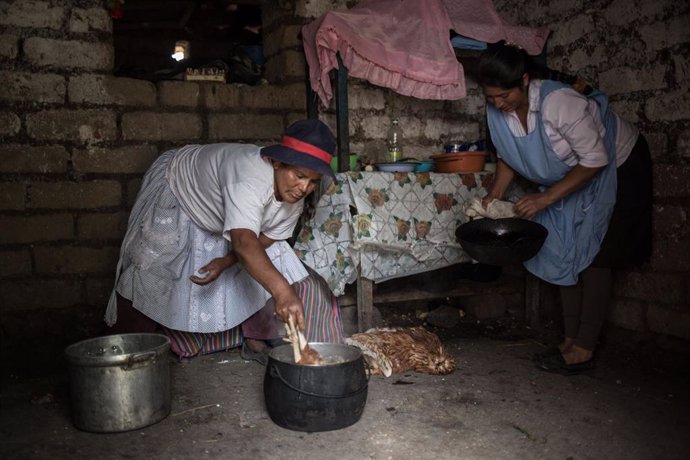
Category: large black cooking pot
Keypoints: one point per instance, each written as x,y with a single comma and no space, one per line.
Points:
320,397
506,241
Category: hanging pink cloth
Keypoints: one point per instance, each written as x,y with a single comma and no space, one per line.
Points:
478,19
405,45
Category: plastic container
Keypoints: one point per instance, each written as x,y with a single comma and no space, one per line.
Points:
460,162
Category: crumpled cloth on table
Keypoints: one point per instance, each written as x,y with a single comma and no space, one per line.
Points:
496,209
405,45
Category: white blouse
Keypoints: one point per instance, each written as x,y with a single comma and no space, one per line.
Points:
573,125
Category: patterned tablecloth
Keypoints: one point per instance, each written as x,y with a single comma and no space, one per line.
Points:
387,225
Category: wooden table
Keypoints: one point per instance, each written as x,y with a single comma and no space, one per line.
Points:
370,227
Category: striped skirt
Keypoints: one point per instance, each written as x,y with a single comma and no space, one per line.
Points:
322,323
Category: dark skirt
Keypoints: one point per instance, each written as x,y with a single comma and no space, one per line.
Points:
628,240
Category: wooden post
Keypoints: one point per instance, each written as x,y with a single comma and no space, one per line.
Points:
365,303
342,117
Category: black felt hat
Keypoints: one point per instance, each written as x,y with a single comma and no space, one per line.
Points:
307,143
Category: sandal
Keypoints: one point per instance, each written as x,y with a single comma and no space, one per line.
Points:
556,364
248,354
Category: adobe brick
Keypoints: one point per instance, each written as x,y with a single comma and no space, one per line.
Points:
683,145
31,13
34,293
98,290
670,288
215,96
669,321
9,46
87,126
10,124
627,314
82,195
18,158
361,97
666,255
670,220
150,126
281,38
244,127
294,63
106,90
274,97
130,159
100,226
15,263
68,54
179,93
133,187
12,195
33,87
75,259
31,229
89,20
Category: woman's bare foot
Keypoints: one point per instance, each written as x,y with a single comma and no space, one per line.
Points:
566,345
576,355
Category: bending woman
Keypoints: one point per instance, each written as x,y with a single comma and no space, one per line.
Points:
205,255
594,175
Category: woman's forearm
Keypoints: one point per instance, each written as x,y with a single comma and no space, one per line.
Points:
572,181
502,180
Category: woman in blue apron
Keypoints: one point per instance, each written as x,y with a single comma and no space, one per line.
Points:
593,172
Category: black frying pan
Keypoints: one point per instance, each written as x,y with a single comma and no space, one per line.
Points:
506,241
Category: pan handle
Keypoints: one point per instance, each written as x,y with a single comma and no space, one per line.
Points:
276,373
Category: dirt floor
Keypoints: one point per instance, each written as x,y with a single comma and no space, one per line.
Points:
496,405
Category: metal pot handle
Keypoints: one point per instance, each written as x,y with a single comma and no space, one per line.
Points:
276,373
138,358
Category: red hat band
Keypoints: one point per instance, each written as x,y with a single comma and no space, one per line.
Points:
309,149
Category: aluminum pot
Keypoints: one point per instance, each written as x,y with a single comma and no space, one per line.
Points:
119,382
320,397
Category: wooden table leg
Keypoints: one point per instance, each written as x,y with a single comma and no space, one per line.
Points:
532,301
365,303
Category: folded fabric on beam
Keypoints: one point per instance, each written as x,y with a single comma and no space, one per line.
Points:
404,45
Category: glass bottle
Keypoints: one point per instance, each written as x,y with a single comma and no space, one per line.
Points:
394,141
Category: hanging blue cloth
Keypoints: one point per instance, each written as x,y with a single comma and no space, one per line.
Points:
577,223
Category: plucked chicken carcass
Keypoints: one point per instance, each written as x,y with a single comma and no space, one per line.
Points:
394,350
496,209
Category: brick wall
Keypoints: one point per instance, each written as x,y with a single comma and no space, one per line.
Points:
75,142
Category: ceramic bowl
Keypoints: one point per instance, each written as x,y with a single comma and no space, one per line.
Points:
460,162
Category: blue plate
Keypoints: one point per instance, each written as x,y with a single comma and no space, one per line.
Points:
403,166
